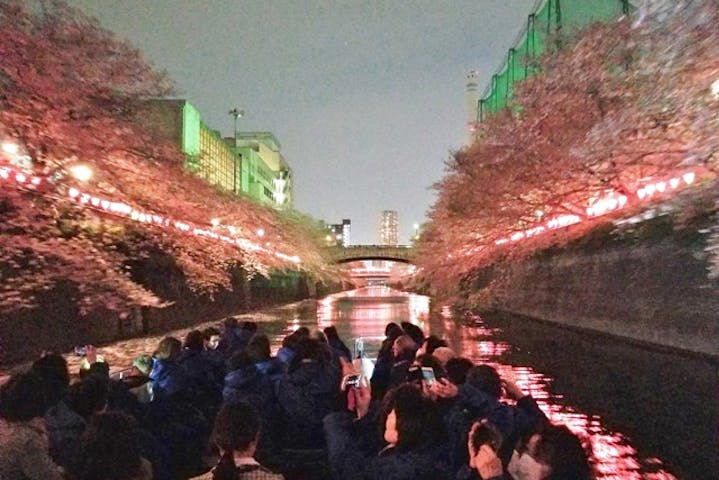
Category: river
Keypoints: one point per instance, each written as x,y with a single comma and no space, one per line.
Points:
647,414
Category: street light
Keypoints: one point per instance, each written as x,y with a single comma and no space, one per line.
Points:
237,113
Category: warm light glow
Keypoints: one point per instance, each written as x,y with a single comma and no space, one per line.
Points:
715,88
10,148
215,222
260,232
82,173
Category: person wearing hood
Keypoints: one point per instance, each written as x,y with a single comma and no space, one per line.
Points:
166,375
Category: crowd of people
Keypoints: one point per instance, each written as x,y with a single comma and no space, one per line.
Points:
219,406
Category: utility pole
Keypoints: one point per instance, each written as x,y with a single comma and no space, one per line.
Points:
236,113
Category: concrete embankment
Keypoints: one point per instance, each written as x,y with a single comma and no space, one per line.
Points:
656,292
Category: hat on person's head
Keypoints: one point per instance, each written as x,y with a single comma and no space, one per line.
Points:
443,354
143,363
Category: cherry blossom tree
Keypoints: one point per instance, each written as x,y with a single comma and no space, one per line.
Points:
69,93
614,107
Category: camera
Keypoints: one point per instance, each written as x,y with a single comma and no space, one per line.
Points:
352,381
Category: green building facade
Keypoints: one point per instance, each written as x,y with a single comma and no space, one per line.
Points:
253,167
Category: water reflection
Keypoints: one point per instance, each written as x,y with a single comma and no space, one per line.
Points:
365,312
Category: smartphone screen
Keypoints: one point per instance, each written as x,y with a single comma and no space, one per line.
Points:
428,375
352,381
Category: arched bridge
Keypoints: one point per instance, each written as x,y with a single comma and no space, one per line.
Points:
395,253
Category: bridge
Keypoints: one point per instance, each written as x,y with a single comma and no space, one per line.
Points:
395,253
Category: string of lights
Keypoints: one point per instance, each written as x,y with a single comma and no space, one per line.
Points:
19,179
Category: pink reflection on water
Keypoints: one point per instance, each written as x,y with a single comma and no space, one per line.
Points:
615,457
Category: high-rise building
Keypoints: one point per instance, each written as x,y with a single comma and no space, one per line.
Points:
340,233
388,229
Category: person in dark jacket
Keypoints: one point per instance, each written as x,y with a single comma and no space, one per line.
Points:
259,351
52,370
336,343
235,337
385,359
109,450
309,391
67,420
204,376
403,352
412,430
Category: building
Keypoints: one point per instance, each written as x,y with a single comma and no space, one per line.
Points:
266,176
339,233
254,167
206,153
388,229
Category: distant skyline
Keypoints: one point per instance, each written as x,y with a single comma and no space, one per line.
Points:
366,98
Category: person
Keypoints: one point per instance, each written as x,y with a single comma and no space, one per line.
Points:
166,376
443,354
307,392
336,343
52,370
413,435
109,450
67,420
385,359
23,441
236,433
259,351
547,452
457,369
403,351
211,336
430,344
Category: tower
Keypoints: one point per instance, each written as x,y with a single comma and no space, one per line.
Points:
472,96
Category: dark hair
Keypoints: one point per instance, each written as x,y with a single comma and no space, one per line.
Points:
457,369
560,449
486,379
291,340
88,396
419,423
427,360
331,333
230,322
23,398
195,340
249,326
392,330
413,331
487,434
240,361
109,448
167,348
52,370
209,332
236,427
259,348
310,349
433,342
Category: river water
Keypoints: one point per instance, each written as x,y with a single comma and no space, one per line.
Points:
647,414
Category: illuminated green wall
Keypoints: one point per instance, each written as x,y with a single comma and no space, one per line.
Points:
547,20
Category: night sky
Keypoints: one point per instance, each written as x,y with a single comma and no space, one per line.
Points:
366,98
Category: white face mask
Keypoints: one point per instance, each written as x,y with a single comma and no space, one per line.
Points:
524,467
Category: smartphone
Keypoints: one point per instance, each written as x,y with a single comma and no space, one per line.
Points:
428,375
352,380
81,350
